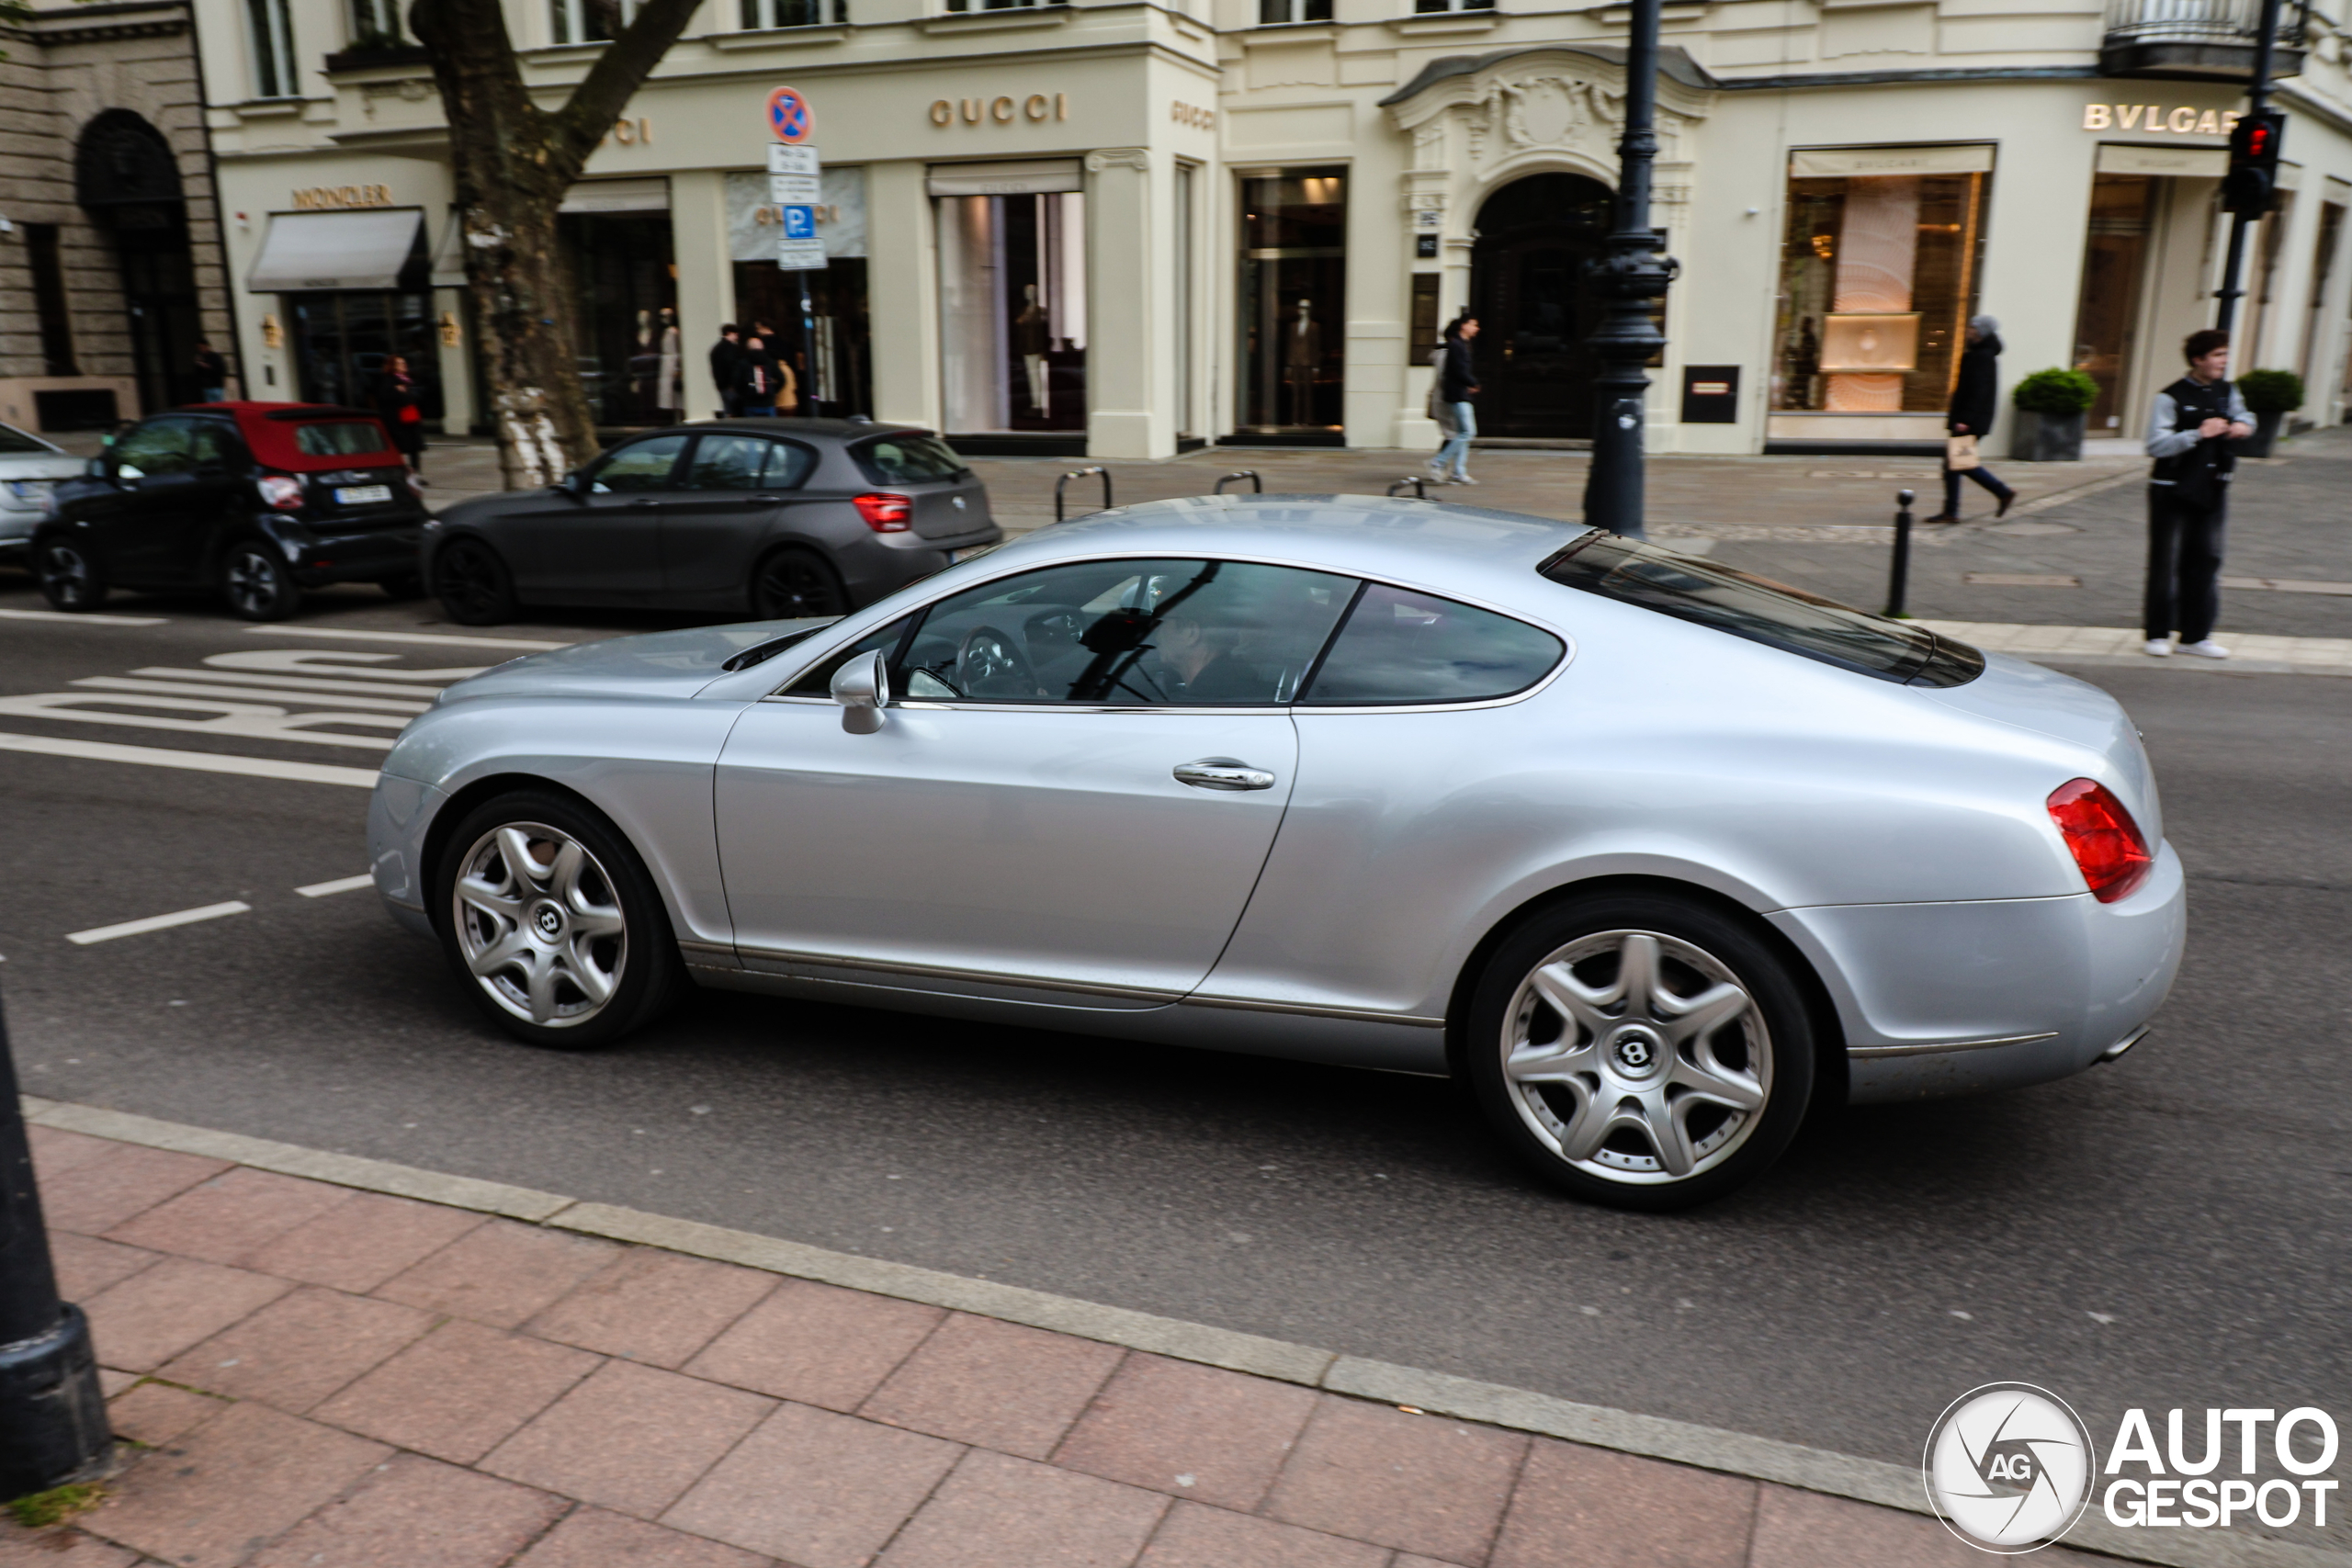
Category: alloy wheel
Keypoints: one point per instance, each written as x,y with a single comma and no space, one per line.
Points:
1636,1057
792,585
540,924
66,577
471,584
257,584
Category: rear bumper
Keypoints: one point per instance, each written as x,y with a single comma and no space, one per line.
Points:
884,563
376,556
1960,998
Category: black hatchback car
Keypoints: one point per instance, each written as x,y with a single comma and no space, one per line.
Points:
774,517
259,501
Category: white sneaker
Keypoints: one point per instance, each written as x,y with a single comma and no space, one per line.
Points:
2160,648
2209,649
1462,479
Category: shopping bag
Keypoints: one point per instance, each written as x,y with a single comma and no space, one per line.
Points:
1959,453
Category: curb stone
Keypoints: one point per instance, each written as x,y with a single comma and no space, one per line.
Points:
1430,1393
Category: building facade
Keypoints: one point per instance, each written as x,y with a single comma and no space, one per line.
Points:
111,268
1121,229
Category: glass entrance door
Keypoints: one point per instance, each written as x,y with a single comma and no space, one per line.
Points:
1012,312
1294,300
2106,317
341,342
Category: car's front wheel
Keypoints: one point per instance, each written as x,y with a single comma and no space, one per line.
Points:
69,579
472,583
552,921
254,580
1640,1050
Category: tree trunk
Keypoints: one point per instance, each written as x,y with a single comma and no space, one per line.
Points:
511,161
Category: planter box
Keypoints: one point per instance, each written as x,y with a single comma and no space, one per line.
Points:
2047,438
2266,434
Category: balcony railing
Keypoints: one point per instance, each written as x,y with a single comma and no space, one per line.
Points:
2208,38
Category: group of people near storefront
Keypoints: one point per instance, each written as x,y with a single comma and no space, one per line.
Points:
752,373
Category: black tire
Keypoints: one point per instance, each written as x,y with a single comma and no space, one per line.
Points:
404,588
473,585
256,582
637,967
793,583
1616,1061
70,579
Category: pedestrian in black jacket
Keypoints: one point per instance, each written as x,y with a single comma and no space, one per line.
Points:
2191,429
1975,401
726,367
1457,383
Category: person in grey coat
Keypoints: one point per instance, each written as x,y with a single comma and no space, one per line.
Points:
1975,401
2191,428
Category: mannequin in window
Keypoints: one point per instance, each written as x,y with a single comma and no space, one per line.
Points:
1302,357
1030,339
668,388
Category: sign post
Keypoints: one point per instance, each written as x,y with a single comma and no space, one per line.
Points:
796,188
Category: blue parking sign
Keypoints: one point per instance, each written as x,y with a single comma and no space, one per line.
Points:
799,222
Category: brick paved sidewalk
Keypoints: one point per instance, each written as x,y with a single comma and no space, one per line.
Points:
311,1376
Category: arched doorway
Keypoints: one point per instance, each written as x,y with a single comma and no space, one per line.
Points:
127,178
1534,308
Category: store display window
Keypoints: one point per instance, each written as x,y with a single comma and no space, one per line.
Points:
1013,308
1293,306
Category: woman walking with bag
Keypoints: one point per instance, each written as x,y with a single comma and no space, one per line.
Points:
1457,383
1975,399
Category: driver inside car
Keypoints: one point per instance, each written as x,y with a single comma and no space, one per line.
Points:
1202,663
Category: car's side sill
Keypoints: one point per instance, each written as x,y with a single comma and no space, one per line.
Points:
1308,1010
1943,1047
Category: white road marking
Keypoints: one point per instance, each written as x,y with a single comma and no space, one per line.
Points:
252,721
284,682
437,639
84,620
158,922
195,689
339,884
330,661
193,762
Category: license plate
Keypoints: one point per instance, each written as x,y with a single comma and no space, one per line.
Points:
362,495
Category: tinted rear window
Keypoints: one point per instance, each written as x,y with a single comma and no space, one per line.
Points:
1403,646
1762,611
323,439
907,459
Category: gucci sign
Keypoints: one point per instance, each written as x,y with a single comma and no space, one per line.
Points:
1193,115
1000,110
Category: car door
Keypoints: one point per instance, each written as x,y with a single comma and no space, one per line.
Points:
600,544
152,465
222,470
1071,795
734,488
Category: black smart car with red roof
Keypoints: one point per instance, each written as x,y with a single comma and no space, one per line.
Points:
259,501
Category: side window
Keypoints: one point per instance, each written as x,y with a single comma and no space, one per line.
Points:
158,446
640,466
213,449
819,681
1402,647
1218,634
746,463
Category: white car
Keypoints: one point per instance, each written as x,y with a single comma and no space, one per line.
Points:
29,469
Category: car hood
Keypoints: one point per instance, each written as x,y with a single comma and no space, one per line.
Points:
2031,697
41,465
661,665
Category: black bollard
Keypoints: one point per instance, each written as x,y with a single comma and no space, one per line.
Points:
1899,581
53,1415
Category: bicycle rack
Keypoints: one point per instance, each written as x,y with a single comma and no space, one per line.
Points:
1420,485
1257,485
1061,484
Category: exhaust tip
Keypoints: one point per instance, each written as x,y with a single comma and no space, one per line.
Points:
2116,1050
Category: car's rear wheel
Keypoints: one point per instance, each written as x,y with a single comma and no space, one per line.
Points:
69,579
1640,1050
552,921
472,583
254,580
793,583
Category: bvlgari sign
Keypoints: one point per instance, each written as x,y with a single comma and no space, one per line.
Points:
2157,120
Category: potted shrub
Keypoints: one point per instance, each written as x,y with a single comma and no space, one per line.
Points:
2051,405
2270,396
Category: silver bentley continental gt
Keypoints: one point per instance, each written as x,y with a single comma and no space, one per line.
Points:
1648,853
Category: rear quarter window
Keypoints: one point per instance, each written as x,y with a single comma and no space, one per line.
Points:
337,438
907,459
1400,646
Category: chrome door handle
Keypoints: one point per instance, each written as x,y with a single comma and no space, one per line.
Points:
1223,773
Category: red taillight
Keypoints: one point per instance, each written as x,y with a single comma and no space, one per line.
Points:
885,513
279,491
2102,838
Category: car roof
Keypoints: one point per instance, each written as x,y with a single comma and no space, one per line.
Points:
838,429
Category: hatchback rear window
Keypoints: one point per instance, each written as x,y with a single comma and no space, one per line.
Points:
323,439
1762,611
907,459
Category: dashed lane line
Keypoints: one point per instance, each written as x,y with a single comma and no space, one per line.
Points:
339,884
159,922
438,640
193,762
77,619
250,693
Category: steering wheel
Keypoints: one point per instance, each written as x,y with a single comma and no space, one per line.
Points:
991,664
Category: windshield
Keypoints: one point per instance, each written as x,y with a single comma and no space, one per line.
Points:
325,440
16,443
907,459
1762,611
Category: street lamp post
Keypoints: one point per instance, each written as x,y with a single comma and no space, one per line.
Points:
53,1415
2257,99
1631,275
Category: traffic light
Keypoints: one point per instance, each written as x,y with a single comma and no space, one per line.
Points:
2251,187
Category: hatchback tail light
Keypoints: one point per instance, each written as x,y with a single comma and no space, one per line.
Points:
884,513
280,491
2106,843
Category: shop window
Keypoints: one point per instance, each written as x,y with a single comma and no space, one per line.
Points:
272,27
818,321
1426,6
624,293
995,4
2107,314
1878,277
589,21
344,342
376,24
1013,311
1274,13
49,300
760,15
1294,299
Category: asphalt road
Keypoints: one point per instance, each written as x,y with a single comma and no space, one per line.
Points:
2172,1231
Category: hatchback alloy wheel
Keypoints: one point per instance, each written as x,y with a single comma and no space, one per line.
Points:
792,584
472,583
67,579
257,584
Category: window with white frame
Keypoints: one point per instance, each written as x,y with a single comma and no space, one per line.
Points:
1272,13
273,34
376,24
759,15
589,21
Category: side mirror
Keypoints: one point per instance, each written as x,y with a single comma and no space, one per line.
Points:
862,688
95,468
